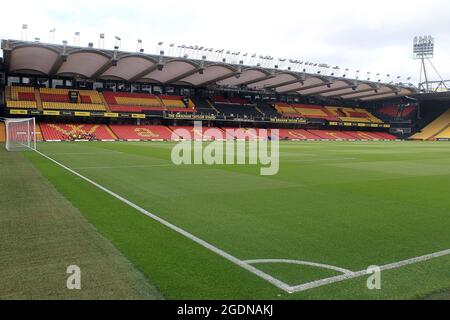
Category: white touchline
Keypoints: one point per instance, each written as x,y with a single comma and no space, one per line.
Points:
188,235
247,264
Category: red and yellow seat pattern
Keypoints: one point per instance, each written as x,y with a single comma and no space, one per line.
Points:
313,112
136,132
296,134
287,110
132,102
60,131
21,98
176,104
353,115
58,99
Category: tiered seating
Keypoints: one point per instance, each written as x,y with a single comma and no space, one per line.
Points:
62,95
22,93
435,128
296,134
246,133
72,106
332,134
135,132
203,106
384,135
267,109
389,111
286,110
219,99
21,104
21,98
239,100
353,115
132,102
194,134
176,104
52,132
238,110
408,111
314,112
444,134
58,99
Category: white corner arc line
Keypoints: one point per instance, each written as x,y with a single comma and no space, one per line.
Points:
390,266
278,283
301,262
245,265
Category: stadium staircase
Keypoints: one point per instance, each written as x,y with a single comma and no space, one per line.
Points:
203,106
266,109
37,97
107,108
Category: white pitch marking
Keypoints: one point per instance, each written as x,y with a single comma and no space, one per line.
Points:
361,273
229,257
274,281
300,262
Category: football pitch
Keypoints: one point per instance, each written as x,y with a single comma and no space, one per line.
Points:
309,232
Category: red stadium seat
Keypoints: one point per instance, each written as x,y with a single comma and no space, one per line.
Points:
136,132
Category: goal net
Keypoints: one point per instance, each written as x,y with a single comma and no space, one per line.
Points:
20,134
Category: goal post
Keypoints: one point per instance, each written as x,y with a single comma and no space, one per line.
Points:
20,134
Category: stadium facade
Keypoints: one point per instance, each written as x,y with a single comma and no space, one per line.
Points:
90,93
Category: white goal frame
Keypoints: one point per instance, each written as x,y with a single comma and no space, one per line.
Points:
20,134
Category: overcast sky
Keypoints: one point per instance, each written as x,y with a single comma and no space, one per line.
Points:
372,36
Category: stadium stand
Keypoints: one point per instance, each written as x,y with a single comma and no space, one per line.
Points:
203,106
191,133
18,97
353,115
267,109
132,102
238,110
314,112
445,134
58,99
296,134
245,133
176,104
286,110
435,129
397,112
136,132
389,111
332,134
66,132
236,107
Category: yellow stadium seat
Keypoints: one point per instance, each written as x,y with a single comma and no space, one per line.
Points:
73,106
437,128
21,104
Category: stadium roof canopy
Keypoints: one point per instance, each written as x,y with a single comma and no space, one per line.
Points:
53,61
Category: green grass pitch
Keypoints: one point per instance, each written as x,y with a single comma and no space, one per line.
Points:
344,204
